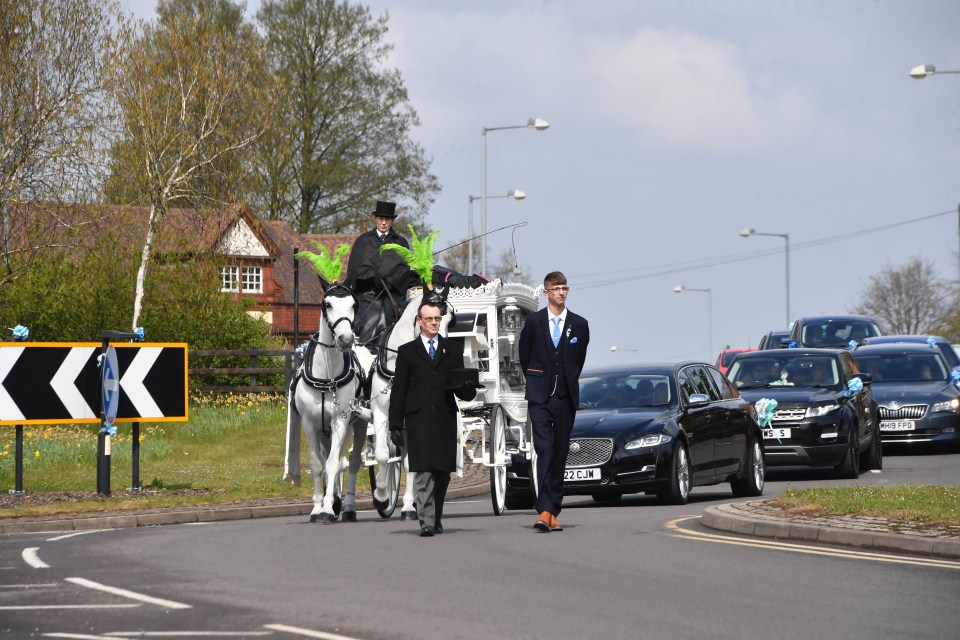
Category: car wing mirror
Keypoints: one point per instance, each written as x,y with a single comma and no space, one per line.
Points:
865,378
698,400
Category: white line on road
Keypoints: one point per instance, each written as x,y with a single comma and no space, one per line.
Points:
673,525
77,533
133,595
31,558
187,634
29,585
75,636
307,633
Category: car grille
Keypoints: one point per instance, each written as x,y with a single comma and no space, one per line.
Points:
789,415
593,451
910,411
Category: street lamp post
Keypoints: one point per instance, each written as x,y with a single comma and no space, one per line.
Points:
515,194
616,348
680,289
746,233
532,123
920,72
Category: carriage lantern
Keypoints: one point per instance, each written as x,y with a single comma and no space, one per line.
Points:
511,316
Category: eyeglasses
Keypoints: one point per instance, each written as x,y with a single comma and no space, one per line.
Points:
559,290
431,319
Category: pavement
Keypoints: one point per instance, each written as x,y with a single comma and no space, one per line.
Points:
760,518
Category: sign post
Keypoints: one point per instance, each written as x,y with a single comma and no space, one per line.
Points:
109,404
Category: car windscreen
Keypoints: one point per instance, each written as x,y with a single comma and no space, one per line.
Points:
786,370
903,367
836,334
728,357
625,391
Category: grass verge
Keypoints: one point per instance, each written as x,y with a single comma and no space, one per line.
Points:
232,449
909,503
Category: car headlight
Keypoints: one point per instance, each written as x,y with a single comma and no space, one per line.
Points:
648,441
948,405
816,412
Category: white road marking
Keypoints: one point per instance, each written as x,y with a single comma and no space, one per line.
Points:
34,585
133,595
77,636
187,634
31,558
307,633
674,527
77,533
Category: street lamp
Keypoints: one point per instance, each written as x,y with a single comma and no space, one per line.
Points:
515,194
533,123
680,289
746,233
921,71
616,348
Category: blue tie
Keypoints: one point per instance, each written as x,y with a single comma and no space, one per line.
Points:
556,331
432,350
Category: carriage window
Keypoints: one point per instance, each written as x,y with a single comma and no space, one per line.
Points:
510,319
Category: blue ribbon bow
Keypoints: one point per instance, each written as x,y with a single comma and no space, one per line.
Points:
20,333
854,385
765,408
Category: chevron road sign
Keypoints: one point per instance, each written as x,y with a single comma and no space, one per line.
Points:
59,382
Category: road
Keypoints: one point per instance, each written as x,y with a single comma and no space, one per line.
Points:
622,571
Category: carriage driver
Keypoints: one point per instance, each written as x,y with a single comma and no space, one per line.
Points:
378,279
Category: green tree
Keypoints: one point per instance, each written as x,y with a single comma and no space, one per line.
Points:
342,122
188,87
905,300
53,115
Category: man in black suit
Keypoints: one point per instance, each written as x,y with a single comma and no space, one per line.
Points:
427,376
379,279
553,347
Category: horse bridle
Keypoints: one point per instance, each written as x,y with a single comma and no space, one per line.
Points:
340,291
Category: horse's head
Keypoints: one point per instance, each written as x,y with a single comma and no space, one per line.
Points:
339,309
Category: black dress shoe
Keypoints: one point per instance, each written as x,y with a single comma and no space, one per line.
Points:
426,532
438,528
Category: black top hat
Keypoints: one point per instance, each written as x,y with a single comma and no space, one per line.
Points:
386,209
464,377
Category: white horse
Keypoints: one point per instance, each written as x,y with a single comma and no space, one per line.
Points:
322,400
381,370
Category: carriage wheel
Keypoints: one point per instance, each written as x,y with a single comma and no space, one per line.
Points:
385,509
498,452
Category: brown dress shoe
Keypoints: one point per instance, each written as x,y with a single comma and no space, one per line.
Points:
554,525
543,523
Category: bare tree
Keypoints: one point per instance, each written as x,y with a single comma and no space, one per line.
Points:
908,300
342,125
54,116
188,86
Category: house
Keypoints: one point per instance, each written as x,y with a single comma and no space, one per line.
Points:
258,253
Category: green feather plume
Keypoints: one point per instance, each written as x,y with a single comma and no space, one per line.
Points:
420,258
325,265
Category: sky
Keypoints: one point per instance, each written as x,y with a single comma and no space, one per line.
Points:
674,126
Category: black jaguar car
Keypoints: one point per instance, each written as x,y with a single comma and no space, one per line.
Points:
815,408
916,392
661,429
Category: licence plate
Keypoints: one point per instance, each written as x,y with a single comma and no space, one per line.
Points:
897,425
578,475
779,434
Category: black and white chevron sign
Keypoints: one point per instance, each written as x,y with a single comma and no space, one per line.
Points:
59,382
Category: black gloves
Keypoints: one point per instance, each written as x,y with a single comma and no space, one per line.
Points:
396,437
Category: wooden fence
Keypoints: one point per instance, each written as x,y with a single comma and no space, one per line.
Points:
241,370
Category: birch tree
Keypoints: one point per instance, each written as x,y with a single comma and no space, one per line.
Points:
189,86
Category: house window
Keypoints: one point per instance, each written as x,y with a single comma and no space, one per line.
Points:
252,280
230,278
241,279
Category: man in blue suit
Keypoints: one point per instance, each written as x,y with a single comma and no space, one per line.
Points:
553,347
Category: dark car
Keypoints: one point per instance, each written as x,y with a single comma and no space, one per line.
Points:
941,344
660,429
917,395
825,413
835,332
774,340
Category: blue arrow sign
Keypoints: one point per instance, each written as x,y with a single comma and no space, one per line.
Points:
111,385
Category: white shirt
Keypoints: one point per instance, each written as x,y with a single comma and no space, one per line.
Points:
426,342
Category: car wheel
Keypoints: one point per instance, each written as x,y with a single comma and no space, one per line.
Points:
754,473
849,466
872,458
679,482
606,497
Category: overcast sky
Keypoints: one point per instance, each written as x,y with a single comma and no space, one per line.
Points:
675,125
